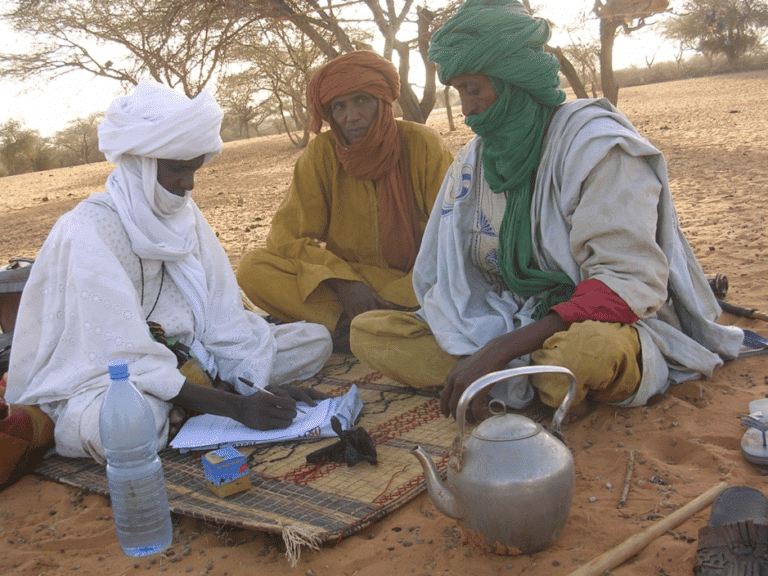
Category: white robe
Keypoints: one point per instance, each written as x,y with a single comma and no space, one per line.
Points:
601,209
82,307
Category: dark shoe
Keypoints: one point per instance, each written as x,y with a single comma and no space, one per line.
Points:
735,542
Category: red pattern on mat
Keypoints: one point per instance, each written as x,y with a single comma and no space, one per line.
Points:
308,473
406,422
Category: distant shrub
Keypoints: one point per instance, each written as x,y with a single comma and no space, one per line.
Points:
693,67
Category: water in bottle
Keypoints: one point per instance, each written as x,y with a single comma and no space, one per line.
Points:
134,470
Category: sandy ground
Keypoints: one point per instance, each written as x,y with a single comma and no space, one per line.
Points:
714,133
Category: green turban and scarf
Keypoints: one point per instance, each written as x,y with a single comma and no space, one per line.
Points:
500,39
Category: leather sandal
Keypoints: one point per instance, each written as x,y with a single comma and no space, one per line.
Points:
735,542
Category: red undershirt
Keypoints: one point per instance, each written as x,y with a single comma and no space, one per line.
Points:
593,300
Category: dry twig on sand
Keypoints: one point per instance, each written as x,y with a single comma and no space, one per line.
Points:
627,480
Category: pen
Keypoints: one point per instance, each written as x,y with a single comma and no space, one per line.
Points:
252,385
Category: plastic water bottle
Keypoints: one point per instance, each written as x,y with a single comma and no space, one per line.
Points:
134,470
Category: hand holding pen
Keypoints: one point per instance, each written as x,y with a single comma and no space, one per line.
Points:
304,394
252,385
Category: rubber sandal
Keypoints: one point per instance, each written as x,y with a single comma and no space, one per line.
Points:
753,344
735,542
754,446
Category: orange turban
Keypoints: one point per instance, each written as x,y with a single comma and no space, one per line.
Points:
360,71
380,156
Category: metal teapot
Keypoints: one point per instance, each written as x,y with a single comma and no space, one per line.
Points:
511,480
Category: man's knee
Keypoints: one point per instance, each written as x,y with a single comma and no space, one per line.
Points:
400,346
602,355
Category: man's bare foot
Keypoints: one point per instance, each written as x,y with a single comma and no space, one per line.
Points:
579,411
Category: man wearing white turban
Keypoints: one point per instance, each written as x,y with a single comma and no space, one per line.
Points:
142,252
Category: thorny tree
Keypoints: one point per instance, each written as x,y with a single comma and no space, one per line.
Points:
615,15
180,43
729,27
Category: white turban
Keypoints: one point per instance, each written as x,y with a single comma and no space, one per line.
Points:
157,122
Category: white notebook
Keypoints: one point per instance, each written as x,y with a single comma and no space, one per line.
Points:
207,432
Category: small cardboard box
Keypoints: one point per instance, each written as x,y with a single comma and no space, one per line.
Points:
229,488
226,471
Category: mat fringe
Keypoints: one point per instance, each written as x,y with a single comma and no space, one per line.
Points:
296,536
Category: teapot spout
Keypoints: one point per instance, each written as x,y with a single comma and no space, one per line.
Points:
441,497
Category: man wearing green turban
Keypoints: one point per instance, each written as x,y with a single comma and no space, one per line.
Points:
554,241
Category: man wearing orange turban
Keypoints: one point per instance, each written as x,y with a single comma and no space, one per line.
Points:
345,237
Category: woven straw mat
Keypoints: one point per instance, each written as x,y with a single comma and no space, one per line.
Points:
308,504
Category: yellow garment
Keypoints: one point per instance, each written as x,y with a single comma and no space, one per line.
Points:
328,227
401,347
602,356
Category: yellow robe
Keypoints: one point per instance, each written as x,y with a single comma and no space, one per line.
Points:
328,227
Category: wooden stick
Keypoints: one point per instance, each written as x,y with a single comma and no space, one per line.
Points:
634,544
627,480
741,311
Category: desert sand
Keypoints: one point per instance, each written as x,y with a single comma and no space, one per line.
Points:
714,133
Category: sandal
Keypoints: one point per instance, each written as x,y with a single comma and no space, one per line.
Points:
754,447
735,542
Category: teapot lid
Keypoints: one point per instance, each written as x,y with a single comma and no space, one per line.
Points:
506,427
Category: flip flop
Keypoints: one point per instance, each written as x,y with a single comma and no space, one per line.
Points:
753,344
735,542
754,446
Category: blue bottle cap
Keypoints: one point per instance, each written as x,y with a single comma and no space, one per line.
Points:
118,370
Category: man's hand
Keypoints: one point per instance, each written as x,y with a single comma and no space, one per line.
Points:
273,408
492,357
357,297
297,393
486,360
270,409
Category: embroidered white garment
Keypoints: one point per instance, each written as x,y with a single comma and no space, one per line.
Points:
99,277
157,122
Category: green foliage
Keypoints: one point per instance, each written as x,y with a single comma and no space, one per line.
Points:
23,150
180,43
732,28
78,143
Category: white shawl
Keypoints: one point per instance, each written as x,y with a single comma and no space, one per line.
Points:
151,123
81,307
574,230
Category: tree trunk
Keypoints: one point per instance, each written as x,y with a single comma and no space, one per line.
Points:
569,72
448,110
304,139
429,98
608,28
408,100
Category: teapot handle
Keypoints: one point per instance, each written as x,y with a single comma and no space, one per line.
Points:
489,380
